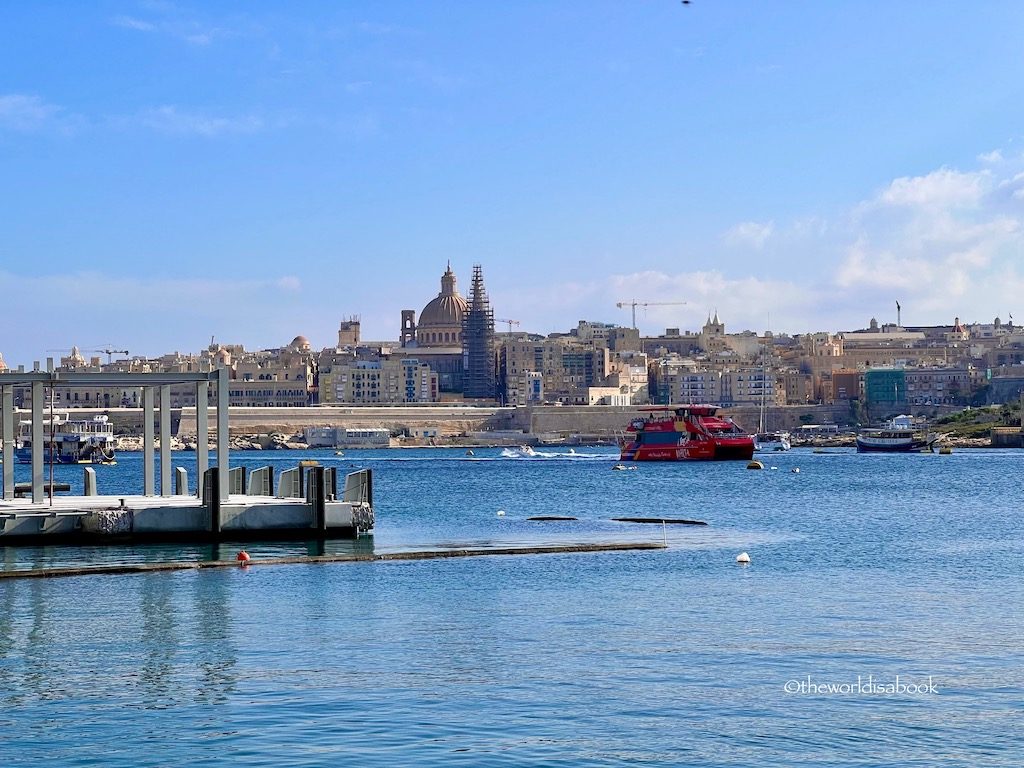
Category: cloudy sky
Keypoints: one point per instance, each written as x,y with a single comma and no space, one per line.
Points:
250,171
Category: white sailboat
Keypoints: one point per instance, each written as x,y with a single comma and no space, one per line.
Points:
765,441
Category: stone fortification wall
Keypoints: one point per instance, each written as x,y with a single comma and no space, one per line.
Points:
446,420
601,420
250,421
451,420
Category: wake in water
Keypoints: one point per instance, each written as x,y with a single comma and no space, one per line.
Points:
526,452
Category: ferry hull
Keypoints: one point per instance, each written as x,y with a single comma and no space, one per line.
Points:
24,456
731,450
685,433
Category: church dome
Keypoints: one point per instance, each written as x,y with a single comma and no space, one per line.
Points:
300,344
444,310
440,322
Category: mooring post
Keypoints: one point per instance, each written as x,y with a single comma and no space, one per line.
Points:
89,482
181,481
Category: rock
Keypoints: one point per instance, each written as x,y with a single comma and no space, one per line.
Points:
109,521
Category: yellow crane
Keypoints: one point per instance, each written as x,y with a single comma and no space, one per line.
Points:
634,304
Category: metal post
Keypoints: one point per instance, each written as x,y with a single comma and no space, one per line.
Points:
165,439
8,440
222,433
148,485
202,432
37,442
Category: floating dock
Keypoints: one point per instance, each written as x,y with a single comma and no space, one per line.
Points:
230,504
307,507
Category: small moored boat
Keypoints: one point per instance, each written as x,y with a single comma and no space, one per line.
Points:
69,441
898,436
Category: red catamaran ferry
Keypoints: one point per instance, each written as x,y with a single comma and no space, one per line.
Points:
683,433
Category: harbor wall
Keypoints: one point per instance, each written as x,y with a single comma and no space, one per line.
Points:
450,421
599,420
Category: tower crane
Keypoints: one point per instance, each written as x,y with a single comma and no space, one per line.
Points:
510,323
109,353
634,304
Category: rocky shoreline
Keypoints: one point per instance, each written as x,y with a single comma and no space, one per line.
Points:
273,441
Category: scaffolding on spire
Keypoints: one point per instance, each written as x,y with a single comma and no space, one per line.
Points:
479,379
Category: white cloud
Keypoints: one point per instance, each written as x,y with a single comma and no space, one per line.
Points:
943,187
664,300
173,22
750,234
129,22
199,38
171,119
943,243
995,156
21,112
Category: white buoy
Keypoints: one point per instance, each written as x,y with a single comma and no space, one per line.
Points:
501,513
743,557
774,469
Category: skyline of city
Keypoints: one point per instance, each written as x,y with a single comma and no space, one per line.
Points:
176,173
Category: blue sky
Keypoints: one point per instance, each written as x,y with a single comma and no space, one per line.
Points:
251,171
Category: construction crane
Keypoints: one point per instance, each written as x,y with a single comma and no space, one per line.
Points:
510,323
109,353
634,304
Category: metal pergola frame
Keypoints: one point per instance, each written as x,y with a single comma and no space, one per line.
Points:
148,382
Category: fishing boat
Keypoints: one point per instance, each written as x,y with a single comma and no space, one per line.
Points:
685,433
898,436
69,441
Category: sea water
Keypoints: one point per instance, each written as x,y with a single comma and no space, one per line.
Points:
878,623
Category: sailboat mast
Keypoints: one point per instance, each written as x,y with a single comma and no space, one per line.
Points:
764,384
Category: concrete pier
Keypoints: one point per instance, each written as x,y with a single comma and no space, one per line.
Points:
124,519
215,514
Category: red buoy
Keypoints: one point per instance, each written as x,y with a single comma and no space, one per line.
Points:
243,556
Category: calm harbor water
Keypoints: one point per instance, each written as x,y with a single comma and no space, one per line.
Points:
863,567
